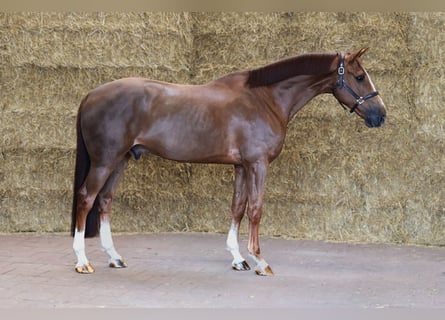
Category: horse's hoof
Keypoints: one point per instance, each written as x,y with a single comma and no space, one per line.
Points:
263,271
240,266
85,269
118,263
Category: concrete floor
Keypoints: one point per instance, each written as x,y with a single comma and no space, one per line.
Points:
193,270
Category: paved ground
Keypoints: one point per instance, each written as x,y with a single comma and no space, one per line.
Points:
193,270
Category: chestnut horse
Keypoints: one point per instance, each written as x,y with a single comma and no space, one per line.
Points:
240,119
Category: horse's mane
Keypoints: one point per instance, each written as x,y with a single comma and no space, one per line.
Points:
305,64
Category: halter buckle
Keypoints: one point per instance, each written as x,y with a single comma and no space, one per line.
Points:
360,100
341,70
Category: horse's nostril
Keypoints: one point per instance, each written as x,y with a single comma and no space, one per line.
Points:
375,120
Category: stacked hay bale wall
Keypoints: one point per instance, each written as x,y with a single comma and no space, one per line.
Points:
335,179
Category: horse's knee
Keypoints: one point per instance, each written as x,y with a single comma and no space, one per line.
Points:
254,215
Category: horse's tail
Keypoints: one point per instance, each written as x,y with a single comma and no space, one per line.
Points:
81,171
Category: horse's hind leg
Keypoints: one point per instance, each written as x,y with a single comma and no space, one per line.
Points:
105,199
87,194
239,202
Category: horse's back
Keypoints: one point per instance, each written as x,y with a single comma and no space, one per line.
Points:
179,122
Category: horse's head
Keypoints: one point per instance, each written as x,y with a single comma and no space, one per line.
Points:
356,91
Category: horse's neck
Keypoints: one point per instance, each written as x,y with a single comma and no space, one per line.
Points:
294,93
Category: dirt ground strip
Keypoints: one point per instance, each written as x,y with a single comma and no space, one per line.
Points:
193,270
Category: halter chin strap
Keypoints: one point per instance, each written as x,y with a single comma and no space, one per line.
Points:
341,84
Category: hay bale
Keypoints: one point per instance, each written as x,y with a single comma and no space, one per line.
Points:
34,189
425,204
30,210
92,40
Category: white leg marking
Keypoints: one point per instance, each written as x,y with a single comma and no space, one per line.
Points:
262,268
79,248
232,244
261,263
107,241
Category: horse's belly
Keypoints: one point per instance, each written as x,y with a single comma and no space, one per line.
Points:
202,147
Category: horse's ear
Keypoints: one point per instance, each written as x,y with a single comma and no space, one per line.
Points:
359,53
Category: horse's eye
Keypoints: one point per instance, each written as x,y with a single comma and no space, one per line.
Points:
360,78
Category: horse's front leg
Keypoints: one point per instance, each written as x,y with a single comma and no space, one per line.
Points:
239,202
256,178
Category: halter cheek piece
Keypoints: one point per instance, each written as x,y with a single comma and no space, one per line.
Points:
341,84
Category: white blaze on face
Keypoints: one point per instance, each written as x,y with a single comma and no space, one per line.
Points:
374,89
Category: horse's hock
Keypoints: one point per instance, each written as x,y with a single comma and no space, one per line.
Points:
335,179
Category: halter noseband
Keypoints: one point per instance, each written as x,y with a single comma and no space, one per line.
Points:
341,84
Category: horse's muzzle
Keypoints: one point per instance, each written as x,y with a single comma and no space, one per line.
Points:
375,117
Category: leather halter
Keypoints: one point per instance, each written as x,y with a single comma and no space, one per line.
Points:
341,84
